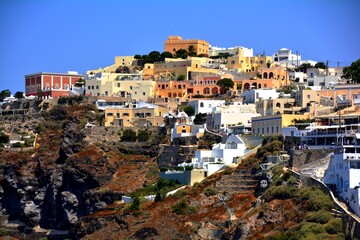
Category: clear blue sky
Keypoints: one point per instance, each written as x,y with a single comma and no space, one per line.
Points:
57,36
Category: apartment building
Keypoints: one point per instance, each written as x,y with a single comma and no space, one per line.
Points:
136,115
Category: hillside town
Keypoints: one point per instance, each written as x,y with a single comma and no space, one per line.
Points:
219,106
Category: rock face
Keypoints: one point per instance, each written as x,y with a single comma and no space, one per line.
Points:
54,193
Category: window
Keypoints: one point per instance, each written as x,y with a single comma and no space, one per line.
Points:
232,62
144,93
117,115
89,87
308,96
109,114
118,85
201,104
130,87
106,93
92,87
97,87
125,114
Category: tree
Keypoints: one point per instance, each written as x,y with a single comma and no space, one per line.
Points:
153,56
226,83
189,110
138,56
191,51
4,94
164,55
320,65
200,118
352,72
304,67
181,77
19,95
181,53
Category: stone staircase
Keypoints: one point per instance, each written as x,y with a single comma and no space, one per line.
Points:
240,181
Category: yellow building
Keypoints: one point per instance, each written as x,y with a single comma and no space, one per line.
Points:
119,84
272,125
248,64
175,43
139,115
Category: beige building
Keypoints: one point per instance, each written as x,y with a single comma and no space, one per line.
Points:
175,43
304,98
272,125
137,115
119,84
268,107
120,61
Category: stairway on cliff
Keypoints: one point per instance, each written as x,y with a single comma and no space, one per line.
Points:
240,181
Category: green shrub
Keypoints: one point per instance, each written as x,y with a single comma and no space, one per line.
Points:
128,135
315,228
179,194
18,145
135,205
3,232
4,138
279,192
182,207
58,112
321,216
210,192
316,199
143,136
334,226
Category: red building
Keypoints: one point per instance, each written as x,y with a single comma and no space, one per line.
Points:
50,84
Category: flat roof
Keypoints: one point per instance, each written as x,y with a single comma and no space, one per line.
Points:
52,73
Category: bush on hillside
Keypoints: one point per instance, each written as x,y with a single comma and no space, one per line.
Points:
128,135
321,217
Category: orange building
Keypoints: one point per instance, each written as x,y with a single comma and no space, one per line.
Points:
171,89
277,73
204,86
174,43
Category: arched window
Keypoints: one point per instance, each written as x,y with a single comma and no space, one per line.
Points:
265,75
271,75
201,104
278,105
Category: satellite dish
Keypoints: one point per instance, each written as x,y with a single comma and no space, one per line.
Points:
263,183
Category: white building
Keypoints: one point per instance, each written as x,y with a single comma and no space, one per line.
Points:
297,76
235,51
184,127
222,154
231,115
284,55
205,106
254,95
344,173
